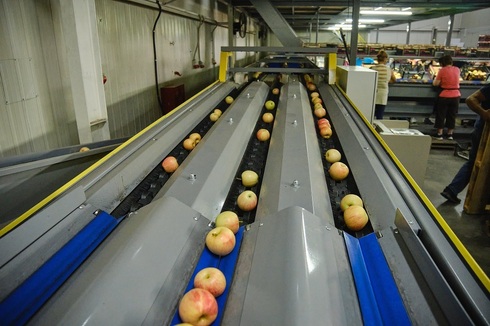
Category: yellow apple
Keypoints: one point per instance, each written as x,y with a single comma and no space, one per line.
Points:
249,178
332,155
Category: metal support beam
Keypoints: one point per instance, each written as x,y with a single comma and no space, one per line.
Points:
356,5
82,43
279,26
450,27
409,30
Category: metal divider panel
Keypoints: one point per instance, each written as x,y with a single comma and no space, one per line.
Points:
300,274
146,261
294,173
205,177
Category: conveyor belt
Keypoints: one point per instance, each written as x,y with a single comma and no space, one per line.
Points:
293,252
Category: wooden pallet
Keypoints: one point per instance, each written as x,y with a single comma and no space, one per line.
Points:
477,199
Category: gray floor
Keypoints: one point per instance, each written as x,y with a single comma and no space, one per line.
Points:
472,230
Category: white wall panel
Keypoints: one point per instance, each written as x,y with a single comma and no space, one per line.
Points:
34,65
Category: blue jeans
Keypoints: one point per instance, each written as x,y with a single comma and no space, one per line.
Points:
462,178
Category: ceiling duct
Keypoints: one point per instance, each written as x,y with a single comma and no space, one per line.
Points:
277,23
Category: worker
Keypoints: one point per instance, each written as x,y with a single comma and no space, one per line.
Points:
385,76
479,102
448,101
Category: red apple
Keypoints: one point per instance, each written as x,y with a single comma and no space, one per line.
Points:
270,105
198,307
326,132
229,100
228,219
247,200
267,117
220,241
211,279
320,113
338,171
263,134
332,155
350,200
323,122
275,91
189,144
170,164
355,217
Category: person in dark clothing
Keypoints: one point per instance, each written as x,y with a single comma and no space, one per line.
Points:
478,102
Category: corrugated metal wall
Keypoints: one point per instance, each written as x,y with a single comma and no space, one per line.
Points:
36,110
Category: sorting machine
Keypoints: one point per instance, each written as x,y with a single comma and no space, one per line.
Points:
119,244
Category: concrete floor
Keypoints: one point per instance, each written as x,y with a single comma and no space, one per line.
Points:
472,230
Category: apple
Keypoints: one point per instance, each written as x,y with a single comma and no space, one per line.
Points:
311,86
84,149
220,241
263,134
270,105
170,164
323,122
228,219
307,77
198,307
320,113
267,117
350,200
332,155
213,117
229,100
247,200
355,217
326,132
338,171
249,178
211,279
218,112
317,106
275,91
189,144
316,100
314,94
196,137
183,324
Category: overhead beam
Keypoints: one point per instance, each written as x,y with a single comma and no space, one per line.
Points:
276,22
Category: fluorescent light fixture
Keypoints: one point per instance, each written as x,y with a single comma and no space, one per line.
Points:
405,9
367,20
378,8
385,12
345,27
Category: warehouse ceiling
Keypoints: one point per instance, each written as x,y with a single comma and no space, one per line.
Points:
303,14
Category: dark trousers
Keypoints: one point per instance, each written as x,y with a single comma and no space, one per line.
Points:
379,110
446,111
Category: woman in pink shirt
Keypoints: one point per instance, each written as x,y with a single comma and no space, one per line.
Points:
448,102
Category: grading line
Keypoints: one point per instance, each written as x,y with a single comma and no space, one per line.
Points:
119,244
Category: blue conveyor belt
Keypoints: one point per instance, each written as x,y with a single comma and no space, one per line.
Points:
379,298
226,264
24,302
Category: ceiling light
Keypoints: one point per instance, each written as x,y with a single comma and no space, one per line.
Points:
345,27
405,9
385,12
366,20
378,8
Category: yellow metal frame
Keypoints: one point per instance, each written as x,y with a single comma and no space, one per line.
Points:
482,276
16,222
